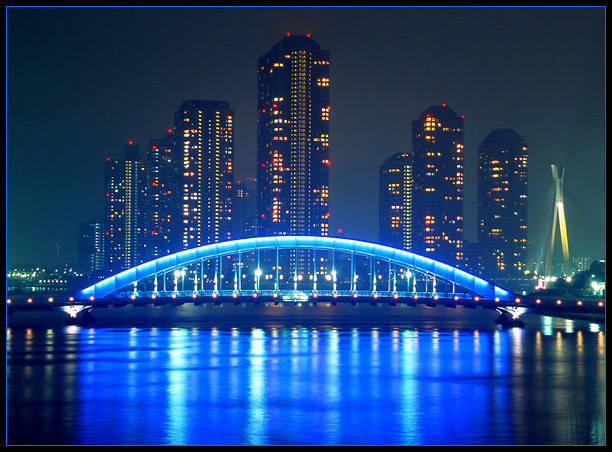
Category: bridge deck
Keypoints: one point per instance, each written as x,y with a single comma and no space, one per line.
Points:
547,306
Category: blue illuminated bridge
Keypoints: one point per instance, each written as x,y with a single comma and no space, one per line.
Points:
303,269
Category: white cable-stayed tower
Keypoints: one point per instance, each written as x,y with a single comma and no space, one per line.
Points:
558,173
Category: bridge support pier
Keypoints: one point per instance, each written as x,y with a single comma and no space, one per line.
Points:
509,318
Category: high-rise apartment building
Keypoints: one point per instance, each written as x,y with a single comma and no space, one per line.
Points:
244,209
293,114
91,247
204,144
395,202
162,197
437,173
502,204
124,224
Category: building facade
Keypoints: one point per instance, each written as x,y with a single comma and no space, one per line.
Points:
293,114
125,201
204,144
162,197
91,247
395,202
437,196
502,204
244,209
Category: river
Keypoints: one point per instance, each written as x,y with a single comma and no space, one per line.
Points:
304,376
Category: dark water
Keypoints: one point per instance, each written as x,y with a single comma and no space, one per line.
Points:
261,378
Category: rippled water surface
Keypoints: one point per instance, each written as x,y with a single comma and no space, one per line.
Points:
450,379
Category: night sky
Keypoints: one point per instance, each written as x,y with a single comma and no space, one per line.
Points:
81,82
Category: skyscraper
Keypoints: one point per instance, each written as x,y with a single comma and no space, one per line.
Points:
162,197
502,204
204,148
244,209
91,247
293,114
124,224
437,197
395,201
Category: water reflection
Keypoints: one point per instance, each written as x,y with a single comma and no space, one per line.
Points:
257,382
274,385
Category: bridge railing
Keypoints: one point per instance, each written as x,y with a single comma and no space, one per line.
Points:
284,295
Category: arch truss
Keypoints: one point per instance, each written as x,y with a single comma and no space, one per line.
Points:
295,267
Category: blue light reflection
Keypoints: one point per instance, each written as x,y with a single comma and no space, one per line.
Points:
307,386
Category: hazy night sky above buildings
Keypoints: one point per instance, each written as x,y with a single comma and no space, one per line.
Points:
81,82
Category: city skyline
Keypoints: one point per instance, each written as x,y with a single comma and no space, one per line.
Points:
363,134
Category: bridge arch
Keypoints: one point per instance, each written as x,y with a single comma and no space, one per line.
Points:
407,259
